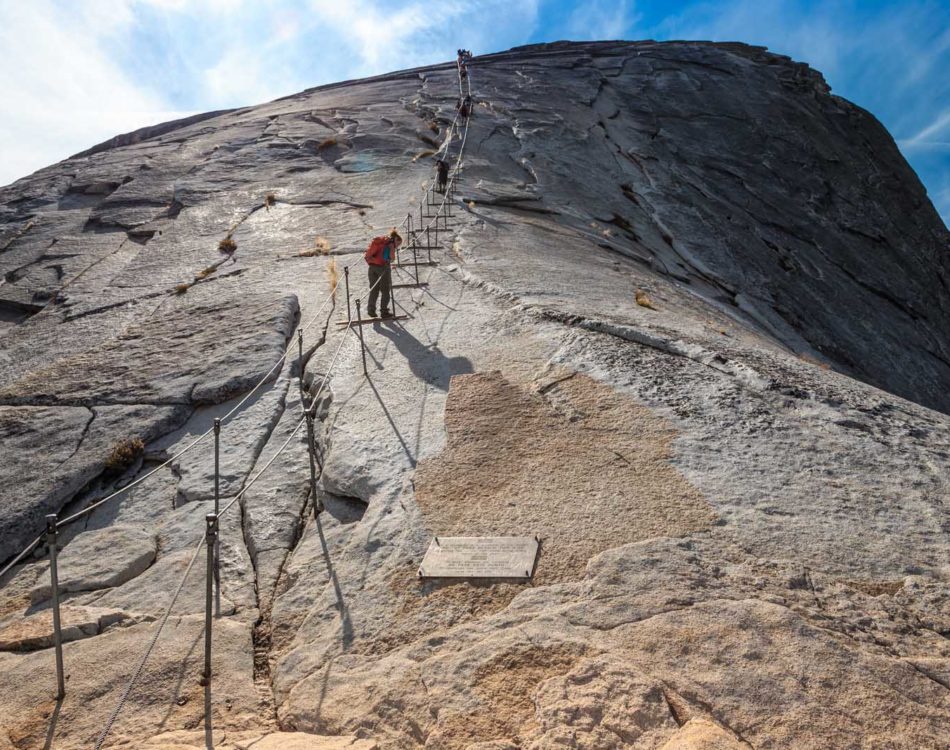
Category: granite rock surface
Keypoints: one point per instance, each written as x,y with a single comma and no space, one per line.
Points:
687,324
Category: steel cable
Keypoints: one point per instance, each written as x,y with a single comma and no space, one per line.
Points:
238,496
148,652
90,508
308,413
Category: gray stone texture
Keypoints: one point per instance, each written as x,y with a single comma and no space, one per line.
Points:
689,324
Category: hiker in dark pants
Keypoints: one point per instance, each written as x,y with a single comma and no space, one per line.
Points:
378,256
443,175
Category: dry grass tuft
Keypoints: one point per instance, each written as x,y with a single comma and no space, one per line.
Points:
321,246
182,288
428,140
434,126
471,205
423,154
333,276
644,301
227,245
328,143
269,200
124,454
205,273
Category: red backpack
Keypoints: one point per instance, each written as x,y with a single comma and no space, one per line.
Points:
374,253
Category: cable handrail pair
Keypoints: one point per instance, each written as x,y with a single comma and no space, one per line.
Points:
122,490
210,537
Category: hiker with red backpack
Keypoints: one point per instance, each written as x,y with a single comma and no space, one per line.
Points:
378,256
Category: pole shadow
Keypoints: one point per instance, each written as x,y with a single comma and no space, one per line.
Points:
392,423
346,624
53,720
209,729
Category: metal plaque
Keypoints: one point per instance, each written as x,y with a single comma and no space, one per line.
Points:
480,557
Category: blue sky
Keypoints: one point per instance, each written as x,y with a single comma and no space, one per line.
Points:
76,72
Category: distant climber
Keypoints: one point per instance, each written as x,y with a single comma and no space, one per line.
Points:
465,106
442,175
463,71
378,256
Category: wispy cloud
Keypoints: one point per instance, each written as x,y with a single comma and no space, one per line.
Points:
61,92
601,19
926,137
73,74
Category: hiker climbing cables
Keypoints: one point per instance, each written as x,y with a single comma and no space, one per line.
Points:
378,256
442,174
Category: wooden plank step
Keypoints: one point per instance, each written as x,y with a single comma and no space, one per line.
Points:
365,321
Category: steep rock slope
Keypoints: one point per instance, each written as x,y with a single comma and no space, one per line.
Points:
743,545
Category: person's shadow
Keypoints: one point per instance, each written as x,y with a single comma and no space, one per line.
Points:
426,361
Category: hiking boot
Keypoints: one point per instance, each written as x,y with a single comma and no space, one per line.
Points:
371,313
387,314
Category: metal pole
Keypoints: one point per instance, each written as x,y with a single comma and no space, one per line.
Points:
54,583
420,213
428,245
360,331
392,294
217,495
211,534
312,451
415,260
346,279
299,369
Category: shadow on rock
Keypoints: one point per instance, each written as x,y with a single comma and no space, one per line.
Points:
426,361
